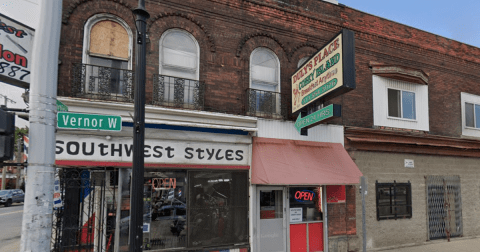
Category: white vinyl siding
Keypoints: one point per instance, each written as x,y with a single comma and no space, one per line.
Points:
470,114
380,104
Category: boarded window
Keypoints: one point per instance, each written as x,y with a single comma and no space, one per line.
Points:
109,38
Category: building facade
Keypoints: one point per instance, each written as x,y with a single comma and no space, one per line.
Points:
225,168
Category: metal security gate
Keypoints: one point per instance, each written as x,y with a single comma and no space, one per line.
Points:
85,218
444,207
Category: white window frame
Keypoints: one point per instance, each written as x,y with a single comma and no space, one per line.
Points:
401,105
160,56
475,100
380,86
278,89
86,38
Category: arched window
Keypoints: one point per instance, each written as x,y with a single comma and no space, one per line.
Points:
178,83
301,61
107,54
264,97
179,55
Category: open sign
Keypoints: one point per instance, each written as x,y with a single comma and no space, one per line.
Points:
305,195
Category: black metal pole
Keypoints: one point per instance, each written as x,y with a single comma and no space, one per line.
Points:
136,197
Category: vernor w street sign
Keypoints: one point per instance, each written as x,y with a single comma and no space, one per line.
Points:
330,111
67,120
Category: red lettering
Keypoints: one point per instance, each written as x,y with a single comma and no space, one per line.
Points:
298,195
8,56
20,60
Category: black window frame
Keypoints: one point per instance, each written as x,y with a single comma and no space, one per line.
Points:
393,201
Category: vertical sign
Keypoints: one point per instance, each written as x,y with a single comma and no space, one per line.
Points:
16,43
328,73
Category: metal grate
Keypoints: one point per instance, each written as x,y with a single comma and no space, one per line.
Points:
266,104
177,92
85,221
444,207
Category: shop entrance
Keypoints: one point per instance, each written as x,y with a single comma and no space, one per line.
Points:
271,225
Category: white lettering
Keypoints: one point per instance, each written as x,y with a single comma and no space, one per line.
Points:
65,119
101,122
112,122
86,122
94,122
73,120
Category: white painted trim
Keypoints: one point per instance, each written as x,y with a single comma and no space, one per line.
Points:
160,57
278,65
380,86
474,99
102,17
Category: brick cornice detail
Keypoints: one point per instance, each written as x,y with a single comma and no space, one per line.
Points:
296,48
259,34
211,41
368,139
75,4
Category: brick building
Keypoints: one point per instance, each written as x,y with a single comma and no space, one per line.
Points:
219,116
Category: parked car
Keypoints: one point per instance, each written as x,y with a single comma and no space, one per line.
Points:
7,197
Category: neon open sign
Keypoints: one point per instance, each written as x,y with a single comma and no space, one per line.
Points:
305,195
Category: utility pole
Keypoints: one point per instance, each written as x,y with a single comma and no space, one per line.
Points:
38,208
136,197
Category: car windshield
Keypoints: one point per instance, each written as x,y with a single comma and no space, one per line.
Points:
3,193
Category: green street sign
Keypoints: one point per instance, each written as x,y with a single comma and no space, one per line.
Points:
61,107
67,120
330,111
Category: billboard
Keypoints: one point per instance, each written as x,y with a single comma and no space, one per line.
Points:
16,43
328,73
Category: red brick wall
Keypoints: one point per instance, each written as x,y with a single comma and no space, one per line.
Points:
341,216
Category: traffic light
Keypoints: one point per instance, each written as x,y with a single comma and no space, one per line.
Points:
7,135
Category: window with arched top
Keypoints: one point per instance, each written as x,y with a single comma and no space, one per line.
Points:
264,93
107,55
178,80
301,61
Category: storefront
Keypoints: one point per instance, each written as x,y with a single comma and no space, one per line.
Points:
196,189
290,179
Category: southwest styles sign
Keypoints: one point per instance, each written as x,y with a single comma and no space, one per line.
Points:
16,43
120,149
328,73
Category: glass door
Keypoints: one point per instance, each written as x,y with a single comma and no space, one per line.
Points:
271,224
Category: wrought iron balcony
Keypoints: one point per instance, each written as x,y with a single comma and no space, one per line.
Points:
177,92
266,104
105,83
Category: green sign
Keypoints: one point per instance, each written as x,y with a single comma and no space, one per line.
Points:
67,120
316,117
61,107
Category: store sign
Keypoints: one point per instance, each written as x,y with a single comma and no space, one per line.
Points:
305,195
67,120
61,107
16,43
164,183
327,74
120,149
296,214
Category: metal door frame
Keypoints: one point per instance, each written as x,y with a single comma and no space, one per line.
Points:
257,210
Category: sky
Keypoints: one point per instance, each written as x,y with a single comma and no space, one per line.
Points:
457,20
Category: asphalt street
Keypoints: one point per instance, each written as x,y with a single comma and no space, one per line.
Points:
11,227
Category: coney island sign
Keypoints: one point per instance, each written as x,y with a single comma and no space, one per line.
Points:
328,73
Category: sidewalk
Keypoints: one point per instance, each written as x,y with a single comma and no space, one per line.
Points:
455,245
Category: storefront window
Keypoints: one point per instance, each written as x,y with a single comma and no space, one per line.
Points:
305,204
194,209
271,205
218,208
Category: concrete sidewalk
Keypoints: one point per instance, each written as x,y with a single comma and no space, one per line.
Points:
455,245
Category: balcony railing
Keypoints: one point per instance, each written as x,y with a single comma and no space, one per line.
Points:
266,104
177,92
99,82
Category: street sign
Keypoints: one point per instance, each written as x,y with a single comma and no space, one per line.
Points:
61,107
330,111
67,120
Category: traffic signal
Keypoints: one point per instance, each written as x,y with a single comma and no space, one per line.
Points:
7,135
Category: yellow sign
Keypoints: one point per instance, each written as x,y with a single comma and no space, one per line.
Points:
320,75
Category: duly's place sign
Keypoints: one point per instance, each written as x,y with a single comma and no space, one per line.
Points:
328,73
16,43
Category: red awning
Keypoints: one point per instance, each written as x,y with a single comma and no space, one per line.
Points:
293,162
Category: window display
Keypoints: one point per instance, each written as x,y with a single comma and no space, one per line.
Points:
305,204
